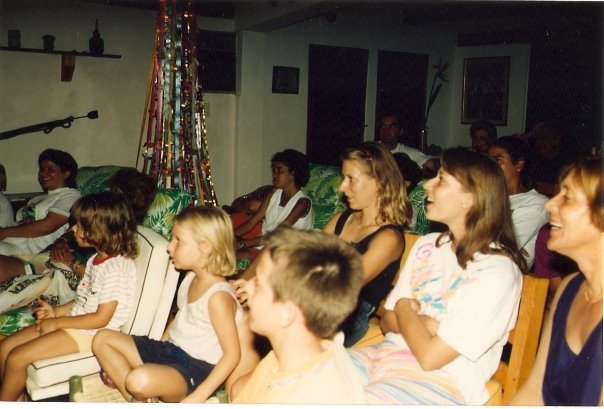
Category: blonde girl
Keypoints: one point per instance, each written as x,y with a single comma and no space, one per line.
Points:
103,298
200,347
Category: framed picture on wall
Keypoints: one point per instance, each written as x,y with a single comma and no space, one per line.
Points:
286,80
485,90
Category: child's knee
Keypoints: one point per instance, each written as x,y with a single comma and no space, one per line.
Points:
137,382
100,339
17,359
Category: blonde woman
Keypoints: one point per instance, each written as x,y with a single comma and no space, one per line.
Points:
373,224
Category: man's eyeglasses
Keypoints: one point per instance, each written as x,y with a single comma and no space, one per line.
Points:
389,126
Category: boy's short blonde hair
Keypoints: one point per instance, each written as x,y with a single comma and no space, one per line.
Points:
318,272
212,225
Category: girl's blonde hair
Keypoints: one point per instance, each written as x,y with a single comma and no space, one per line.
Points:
107,223
212,225
379,164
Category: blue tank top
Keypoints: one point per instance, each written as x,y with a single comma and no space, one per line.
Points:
572,379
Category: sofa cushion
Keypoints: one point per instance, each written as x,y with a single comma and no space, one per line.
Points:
94,179
167,204
12,321
322,188
160,216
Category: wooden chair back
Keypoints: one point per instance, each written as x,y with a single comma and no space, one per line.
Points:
523,340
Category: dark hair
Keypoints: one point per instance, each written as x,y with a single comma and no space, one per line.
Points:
296,162
487,126
489,221
107,222
410,170
138,188
519,150
65,161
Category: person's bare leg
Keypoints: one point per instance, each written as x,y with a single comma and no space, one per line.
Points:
15,367
117,355
10,267
13,341
156,381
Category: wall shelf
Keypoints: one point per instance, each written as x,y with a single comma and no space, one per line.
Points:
73,52
67,58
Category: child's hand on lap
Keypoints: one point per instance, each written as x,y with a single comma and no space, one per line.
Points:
43,310
46,326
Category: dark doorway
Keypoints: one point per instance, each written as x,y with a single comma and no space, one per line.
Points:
337,81
401,89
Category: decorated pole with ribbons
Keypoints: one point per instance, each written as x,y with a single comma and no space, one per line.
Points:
175,151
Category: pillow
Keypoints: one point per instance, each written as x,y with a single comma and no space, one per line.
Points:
167,204
13,321
322,188
95,179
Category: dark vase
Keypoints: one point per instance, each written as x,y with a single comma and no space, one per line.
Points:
96,45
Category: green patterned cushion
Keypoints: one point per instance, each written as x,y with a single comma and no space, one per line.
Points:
164,208
94,179
13,321
322,187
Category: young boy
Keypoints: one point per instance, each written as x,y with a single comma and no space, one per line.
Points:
306,284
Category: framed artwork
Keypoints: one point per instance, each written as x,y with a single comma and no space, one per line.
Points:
485,90
286,80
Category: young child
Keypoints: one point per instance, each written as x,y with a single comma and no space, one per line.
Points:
200,347
103,299
306,284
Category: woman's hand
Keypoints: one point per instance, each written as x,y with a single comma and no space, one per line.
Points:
430,323
62,253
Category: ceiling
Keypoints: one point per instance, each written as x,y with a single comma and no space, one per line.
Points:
280,13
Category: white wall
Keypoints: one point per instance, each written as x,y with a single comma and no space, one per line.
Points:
243,129
33,92
519,69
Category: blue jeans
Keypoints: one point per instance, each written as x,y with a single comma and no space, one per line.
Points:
357,323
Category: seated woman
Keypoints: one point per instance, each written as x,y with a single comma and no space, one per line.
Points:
450,312
373,224
45,217
528,213
286,204
568,367
55,275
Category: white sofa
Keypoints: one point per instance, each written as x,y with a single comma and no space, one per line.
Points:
156,285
